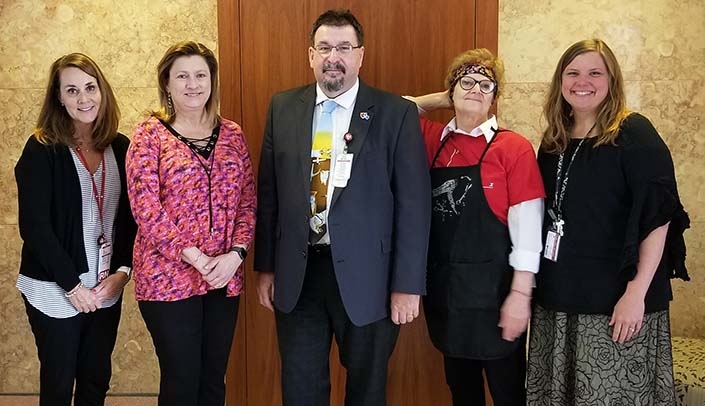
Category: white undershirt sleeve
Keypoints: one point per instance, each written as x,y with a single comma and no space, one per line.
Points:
525,222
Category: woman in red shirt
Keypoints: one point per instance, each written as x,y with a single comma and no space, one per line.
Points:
485,240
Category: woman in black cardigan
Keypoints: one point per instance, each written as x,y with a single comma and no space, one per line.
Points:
77,232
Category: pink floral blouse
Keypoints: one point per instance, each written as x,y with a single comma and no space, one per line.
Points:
169,195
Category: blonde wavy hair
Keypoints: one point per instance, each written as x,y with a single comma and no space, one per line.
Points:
559,114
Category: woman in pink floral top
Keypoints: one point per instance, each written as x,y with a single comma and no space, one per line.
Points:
192,192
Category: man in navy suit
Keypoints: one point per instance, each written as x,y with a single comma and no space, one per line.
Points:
343,221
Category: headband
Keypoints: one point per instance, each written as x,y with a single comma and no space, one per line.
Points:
474,68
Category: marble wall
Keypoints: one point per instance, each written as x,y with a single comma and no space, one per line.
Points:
660,45
127,41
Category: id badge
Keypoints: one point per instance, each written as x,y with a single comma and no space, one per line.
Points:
343,167
553,242
105,252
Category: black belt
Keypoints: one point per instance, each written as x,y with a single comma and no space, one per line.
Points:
321,250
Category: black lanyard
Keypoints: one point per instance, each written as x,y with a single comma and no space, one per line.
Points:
562,180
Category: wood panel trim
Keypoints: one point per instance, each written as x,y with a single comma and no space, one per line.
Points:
230,76
487,24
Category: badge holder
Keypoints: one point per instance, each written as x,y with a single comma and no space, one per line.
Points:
553,237
105,253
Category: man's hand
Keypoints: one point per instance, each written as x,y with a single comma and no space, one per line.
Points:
404,307
265,289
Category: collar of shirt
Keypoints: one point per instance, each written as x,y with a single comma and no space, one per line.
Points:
487,129
345,100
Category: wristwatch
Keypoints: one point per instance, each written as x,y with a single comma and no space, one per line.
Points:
240,251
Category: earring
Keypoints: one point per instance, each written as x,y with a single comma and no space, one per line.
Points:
169,104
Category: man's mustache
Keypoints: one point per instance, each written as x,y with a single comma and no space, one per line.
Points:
334,66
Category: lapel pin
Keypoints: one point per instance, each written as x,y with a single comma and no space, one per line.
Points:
348,137
364,115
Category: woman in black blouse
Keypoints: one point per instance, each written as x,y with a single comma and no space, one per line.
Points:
77,232
613,238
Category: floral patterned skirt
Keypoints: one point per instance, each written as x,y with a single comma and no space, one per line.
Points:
574,362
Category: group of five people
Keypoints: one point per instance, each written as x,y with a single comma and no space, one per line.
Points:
361,209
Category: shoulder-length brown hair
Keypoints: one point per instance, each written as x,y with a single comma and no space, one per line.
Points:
559,114
176,51
55,126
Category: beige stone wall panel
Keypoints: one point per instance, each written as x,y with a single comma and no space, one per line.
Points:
661,48
127,41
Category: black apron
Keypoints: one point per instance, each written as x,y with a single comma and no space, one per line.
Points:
468,266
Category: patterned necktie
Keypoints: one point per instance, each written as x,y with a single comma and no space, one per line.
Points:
321,154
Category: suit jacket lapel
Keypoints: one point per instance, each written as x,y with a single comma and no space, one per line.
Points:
363,114
304,134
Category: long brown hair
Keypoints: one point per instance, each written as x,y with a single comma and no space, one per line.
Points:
55,126
176,51
559,114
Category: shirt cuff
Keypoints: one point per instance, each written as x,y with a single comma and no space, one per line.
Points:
125,269
525,260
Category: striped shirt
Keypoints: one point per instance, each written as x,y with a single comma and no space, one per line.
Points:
47,296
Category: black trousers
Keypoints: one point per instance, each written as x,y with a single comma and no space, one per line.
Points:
505,377
305,337
192,339
76,349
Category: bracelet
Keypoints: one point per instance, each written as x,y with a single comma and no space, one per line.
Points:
521,293
200,254
73,291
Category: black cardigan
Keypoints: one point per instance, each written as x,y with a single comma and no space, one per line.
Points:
50,214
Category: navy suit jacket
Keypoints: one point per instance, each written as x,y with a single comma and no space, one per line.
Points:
378,224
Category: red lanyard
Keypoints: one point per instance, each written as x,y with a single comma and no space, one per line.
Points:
99,197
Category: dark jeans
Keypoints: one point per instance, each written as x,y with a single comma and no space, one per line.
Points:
192,338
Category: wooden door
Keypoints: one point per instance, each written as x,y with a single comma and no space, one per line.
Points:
263,50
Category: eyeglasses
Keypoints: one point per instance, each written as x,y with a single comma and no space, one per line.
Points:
486,86
343,49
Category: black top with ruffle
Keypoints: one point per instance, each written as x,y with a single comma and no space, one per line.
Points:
616,195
